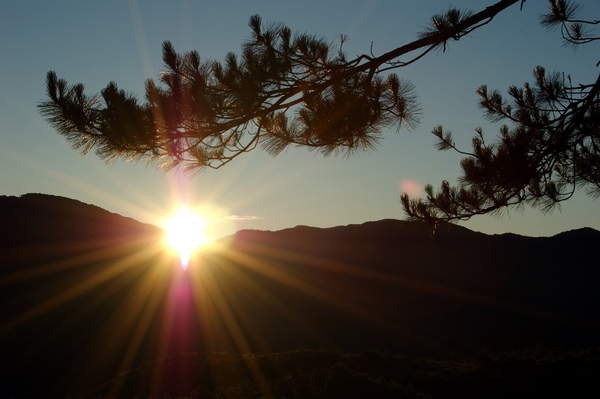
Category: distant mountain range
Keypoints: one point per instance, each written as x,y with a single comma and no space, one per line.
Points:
85,293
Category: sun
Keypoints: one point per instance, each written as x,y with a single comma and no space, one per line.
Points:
184,233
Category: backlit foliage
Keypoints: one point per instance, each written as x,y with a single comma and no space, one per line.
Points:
549,146
283,89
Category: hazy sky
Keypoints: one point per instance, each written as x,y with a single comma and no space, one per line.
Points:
94,42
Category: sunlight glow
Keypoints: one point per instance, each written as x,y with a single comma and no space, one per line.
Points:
185,232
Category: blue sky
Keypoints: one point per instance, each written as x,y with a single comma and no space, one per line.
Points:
95,42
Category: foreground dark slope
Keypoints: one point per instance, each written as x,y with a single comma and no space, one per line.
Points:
86,293
67,273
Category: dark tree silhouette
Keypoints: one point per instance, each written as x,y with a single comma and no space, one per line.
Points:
283,90
551,148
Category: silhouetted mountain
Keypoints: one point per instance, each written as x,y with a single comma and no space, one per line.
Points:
66,271
390,285
47,223
86,294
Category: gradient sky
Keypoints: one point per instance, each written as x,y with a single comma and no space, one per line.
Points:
94,42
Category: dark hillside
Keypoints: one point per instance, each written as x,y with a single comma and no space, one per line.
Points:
86,294
403,290
45,226
67,271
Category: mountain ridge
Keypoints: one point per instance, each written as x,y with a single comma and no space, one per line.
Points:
45,198
101,292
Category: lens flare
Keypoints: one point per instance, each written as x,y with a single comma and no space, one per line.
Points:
411,187
185,232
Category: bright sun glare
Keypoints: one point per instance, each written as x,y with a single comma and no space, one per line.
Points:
185,232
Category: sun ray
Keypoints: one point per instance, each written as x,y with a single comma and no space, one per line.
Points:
146,304
83,286
218,300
